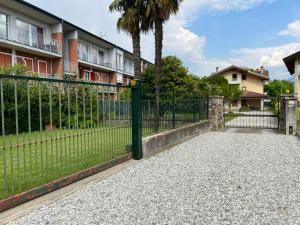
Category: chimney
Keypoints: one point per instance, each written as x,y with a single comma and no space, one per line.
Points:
262,70
217,69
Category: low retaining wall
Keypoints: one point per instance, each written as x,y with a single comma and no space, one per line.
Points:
160,142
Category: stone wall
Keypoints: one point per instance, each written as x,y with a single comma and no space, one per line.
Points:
163,141
288,114
215,109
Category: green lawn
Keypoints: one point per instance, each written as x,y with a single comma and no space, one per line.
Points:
229,118
27,162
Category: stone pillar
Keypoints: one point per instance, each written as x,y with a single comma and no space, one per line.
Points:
296,79
288,114
215,110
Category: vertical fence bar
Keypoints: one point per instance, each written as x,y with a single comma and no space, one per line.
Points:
17,131
3,138
136,120
173,110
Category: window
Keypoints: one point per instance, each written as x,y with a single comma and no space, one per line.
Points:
244,77
3,26
23,32
87,75
94,56
244,88
101,57
30,34
119,62
83,51
234,77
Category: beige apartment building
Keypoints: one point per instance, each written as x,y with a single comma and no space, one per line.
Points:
250,81
49,46
292,63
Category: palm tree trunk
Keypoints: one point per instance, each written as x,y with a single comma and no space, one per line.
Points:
158,68
136,39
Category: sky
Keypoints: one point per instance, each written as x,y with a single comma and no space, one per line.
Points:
204,34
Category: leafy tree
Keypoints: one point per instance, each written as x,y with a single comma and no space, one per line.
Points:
277,87
175,79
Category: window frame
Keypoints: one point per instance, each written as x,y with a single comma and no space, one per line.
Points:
6,24
30,32
234,77
87,74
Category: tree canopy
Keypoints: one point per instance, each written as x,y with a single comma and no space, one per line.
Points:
177,78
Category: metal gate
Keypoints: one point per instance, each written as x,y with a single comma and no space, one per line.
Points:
251,113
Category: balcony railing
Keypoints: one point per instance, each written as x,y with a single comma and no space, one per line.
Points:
29,39
94,60
129,70
71,67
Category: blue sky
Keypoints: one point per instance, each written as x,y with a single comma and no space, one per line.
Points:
205,33
254,28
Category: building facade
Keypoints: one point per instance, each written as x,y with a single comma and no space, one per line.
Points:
251,83
52,47
292,63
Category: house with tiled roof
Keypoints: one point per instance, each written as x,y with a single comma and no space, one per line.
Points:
292,63
250,81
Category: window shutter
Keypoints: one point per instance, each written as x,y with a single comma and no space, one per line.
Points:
93,76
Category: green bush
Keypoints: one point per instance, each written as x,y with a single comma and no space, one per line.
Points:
15,93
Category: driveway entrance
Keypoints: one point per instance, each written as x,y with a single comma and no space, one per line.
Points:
242,116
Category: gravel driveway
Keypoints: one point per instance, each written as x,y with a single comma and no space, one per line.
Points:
216,178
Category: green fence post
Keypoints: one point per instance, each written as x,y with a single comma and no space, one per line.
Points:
194,107
173,110
136,106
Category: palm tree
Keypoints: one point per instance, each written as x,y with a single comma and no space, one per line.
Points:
157,13
132,22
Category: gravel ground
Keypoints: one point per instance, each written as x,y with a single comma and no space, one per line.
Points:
216,178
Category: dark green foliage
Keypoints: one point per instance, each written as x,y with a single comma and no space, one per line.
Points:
17,94
277,87
176,78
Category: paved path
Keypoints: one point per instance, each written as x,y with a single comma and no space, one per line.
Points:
216,178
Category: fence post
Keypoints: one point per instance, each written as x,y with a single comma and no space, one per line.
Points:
194,107
173,110
136,105
288,114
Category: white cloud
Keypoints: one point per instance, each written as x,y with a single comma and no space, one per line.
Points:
189,46
292,30
179,39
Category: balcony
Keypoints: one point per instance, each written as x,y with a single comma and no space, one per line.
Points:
95,60
17,36
71,68
129,70
128,67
